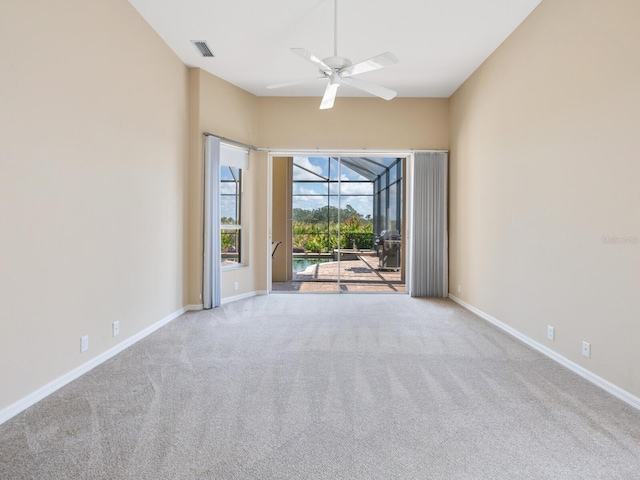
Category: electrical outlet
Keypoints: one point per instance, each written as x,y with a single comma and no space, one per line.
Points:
84,343
586,349
551,332
116,328
459,288
235,285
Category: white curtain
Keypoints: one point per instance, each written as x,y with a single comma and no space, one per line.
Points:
430,266
211,296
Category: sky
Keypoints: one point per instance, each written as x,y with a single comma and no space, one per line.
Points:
228,189
358,195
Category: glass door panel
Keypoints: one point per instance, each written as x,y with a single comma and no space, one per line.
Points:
311,219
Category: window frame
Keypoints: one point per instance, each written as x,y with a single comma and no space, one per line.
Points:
231,262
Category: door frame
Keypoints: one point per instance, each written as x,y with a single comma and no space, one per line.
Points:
408,197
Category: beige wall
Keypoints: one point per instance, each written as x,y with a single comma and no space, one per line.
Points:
544,164
252,277
272,122
354,123
222,109
93,152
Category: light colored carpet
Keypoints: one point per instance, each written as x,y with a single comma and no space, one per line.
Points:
326,387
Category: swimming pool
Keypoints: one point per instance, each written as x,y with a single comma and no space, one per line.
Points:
301,263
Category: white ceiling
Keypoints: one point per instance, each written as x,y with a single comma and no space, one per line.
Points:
439,43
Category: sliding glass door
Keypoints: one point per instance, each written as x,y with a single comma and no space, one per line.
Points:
338,208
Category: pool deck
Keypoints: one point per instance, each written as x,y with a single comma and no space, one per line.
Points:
361,275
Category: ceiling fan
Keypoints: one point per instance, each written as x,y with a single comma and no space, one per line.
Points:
340,71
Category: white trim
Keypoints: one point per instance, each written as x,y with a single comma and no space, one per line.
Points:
21,405
269,241
408,222
231,267
243,296
344,151
565,362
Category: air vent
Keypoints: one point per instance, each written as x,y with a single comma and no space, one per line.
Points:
202,47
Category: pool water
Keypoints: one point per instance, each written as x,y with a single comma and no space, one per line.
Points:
300,264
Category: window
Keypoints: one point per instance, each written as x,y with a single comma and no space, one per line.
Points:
387,214
230,215
332,204
232,163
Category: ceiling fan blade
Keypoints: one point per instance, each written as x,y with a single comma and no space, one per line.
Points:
310,57
383,60
329,96
371,88
294,82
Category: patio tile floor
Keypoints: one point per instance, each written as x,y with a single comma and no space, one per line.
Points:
361,275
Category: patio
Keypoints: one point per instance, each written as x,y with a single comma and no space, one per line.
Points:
360,275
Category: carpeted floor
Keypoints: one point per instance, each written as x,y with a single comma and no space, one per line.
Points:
326,387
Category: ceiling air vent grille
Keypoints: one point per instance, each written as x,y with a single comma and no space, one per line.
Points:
202,47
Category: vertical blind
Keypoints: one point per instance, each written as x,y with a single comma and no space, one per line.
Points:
430,266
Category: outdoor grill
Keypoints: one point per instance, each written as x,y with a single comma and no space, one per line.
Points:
388,246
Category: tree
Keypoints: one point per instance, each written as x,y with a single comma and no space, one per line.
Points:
349,212
326,214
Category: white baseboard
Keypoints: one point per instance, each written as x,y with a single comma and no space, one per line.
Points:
243,296
574,367
21,405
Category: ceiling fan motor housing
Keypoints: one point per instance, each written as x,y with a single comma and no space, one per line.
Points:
337,63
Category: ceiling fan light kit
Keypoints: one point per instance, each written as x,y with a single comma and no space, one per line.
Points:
341,71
